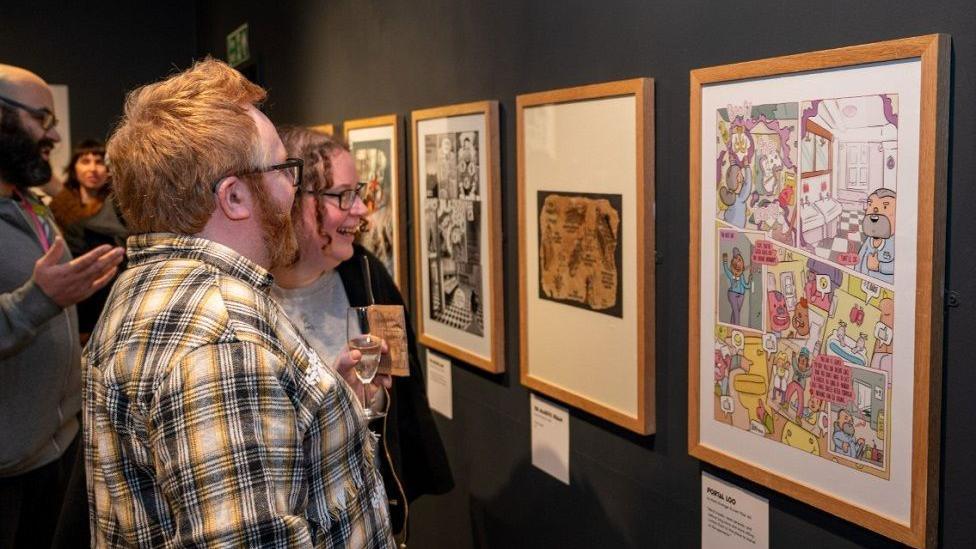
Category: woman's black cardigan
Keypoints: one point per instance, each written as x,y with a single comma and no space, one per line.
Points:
410,437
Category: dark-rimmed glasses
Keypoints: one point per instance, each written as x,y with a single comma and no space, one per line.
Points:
293,167
346,198
41,114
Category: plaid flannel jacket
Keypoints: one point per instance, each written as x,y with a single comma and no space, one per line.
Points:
209,421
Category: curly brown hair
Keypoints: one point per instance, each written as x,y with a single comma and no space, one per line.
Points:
316,149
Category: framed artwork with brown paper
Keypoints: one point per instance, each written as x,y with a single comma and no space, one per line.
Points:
457,232
815,334
376,146
586,248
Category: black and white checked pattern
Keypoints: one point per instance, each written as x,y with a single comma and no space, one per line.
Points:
847,240
460,319
455,317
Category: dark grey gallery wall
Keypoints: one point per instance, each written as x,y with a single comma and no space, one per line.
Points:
100,50
329,61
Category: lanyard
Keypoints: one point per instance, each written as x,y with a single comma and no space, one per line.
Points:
38,226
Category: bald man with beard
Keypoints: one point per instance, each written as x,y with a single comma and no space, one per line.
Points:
40,387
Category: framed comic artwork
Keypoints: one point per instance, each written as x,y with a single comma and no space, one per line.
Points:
328,129
586,248
814,354
377,149
457,232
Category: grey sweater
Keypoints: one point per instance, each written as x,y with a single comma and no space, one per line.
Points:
40,377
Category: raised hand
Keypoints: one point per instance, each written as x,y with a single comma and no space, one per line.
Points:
68,283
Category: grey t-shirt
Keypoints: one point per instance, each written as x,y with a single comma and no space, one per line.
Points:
319,311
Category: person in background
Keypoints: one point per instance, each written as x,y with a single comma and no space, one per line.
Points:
86,211
318,289
40,380
209,421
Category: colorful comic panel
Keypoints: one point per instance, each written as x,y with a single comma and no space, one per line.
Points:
848,174
756,168
373,168
740,287
808,364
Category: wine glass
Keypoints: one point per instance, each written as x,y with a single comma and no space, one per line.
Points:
370,345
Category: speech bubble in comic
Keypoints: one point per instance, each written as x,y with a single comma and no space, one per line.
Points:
871,289
769,342
764,253
824,284
884,333
738,340
848,259
727,404
831,380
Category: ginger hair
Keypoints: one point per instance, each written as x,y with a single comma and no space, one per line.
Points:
176,138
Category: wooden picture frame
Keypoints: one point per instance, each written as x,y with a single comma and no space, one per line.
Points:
377,149
457,232
586,159
850,408
327,128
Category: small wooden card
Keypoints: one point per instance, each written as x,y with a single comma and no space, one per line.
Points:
388,322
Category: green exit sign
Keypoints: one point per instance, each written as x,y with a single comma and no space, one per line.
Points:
238,50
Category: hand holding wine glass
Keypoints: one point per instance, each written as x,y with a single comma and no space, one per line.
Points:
370,346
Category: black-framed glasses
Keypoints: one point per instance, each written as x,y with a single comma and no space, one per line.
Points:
292,167
346,198
41,114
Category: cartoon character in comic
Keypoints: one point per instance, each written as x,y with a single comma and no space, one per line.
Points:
815,296
802,370
817,416
446,168
801,318
467,168
771,170
779,315
735,193
842,345
860,346
723,364
876,257
738,283
781,373
844,440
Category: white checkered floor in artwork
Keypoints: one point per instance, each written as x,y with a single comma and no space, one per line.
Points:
459,318
848,241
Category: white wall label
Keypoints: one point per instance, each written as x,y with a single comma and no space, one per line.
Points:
732,518
440,392
550,438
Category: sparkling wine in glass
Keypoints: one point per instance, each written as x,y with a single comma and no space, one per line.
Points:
370,345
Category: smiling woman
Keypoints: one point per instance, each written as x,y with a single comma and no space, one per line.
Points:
317,291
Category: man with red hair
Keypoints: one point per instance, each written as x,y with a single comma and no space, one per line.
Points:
209,419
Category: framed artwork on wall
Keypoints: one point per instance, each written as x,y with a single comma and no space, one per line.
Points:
457,232
814,354
586,248
377,149
328,128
